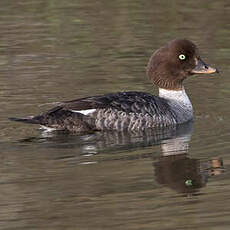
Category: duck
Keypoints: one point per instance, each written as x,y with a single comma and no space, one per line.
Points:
167,68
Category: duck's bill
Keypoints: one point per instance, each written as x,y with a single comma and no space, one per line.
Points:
202,67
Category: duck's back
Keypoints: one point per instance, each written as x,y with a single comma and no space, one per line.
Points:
117,111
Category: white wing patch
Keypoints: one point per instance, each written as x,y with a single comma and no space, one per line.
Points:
84,112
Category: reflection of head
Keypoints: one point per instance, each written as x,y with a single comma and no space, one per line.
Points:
179,173
176,170
185,175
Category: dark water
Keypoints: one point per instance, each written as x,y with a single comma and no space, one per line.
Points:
60,50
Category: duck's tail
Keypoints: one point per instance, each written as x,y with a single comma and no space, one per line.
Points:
61,119
30,119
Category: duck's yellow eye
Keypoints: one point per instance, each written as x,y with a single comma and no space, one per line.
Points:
182,57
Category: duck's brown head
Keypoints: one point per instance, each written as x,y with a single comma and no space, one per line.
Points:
172,63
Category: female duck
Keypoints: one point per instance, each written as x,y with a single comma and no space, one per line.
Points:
168,67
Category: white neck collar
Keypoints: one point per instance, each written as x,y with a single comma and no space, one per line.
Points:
176,95
179,103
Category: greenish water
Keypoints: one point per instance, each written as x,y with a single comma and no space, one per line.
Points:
60,50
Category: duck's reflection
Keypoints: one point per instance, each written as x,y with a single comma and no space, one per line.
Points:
173,167
173,140
185,174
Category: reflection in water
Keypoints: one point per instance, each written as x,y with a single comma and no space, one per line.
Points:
173,168
167,137
184,174
57,184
